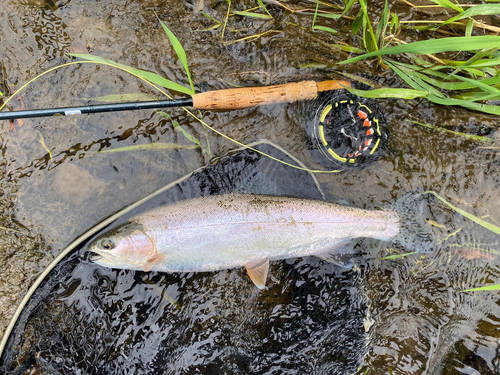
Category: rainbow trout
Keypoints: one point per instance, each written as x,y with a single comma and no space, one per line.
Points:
234,230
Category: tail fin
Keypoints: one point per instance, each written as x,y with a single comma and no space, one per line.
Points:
415,232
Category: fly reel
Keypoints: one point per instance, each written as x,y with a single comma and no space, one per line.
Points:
347,131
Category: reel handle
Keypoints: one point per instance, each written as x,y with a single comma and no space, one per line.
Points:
246,97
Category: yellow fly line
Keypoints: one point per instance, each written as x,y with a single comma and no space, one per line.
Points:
168,96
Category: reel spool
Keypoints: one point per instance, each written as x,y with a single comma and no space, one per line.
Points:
347,132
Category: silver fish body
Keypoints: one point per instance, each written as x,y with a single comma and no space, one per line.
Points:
233,230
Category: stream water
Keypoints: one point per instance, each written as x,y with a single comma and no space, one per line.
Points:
405,316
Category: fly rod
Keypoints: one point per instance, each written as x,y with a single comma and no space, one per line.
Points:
227,99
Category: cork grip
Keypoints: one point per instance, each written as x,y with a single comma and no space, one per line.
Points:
252,96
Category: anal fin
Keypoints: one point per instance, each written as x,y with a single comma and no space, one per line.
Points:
258,270
339,254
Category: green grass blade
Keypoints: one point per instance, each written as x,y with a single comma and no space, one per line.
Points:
179,50
442,84
382,23
470,137
252,14
370,42
478,84
477,10
388,93
477,57
469,28
458,44
414,80
486,108
349,49
483,288
349,6
394,25
484,63
264,7
324,28
210,17
357,23
396,256
149,76
176,124
475,96
445,85
448,4
413,75
315,14
471,217
329,15
405,77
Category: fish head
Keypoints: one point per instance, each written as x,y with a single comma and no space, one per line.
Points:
126,247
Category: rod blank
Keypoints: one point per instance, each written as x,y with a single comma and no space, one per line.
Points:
99,108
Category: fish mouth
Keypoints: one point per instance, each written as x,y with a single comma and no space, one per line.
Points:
95,257
101,257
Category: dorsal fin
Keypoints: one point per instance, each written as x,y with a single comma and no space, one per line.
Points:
257,270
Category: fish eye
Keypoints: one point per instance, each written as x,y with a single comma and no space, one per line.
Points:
107,244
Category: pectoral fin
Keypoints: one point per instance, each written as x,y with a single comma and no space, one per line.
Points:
257,270
155,258
150,263
339,254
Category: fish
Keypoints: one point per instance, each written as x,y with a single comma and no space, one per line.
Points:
232,230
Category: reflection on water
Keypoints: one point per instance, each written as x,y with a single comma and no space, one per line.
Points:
420,322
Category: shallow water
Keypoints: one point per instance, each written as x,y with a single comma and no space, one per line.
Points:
419,321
